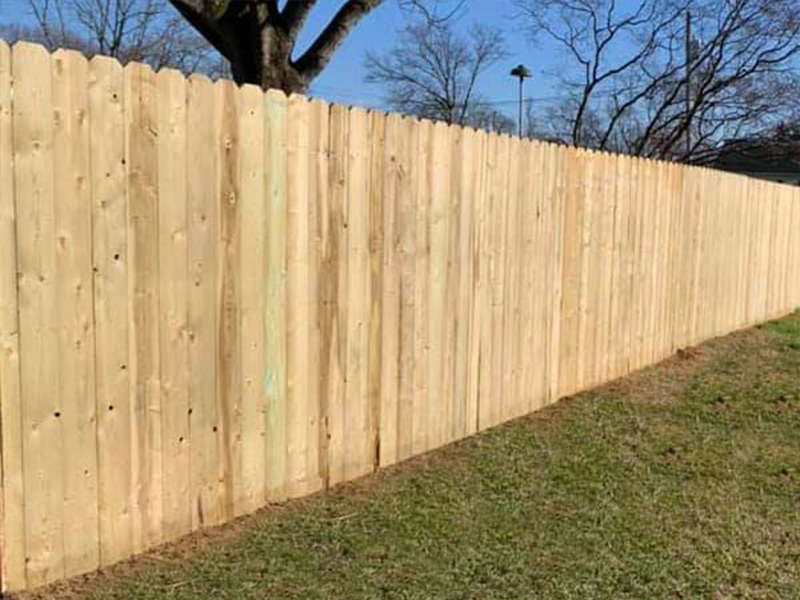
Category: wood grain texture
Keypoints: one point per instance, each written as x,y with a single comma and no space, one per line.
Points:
12,503
73,214
203,233
274,382
141,115
213,298
110,246
251,491
37,263
174,301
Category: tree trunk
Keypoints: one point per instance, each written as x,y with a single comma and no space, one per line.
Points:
258,38
264,59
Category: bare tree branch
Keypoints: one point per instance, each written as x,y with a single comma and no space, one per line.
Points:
432,71
630,68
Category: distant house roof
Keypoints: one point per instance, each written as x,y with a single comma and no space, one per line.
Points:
760,156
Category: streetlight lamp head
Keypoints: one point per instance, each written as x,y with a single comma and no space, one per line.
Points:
521,71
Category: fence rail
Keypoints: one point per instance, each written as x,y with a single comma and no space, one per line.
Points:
213,298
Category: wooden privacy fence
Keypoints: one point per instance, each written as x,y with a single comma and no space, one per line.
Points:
213,298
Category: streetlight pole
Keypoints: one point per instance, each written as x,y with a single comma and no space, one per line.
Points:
522,73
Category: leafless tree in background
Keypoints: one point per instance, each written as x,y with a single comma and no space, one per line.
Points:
432,71
259,37
147,31
630,94
484,116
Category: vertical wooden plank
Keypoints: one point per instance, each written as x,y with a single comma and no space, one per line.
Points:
592,276
498,207
537,267
393,180
619,274
405,199
335,305
203,223
484,251
510,405
75,305
464,374
275,284
422,157
229,358
608,277
793,276
12,527
753,210
108,185
375,332
252,266
695,293
590,272
301,407
43,435
319,288
571,272
454,406
440,191
555,198
477,284
174,301
141,113
357,456
634,241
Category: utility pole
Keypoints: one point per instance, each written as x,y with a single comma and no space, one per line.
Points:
689,61
522,73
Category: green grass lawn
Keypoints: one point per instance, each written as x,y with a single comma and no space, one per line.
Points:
682,481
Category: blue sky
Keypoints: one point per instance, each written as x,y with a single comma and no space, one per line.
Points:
343,80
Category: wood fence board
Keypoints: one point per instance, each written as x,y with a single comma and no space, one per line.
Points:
392,174
420,414
203,233
37,249
110,246
358,459
141,113
252,265
376,248
407,242
73,214
336,274
213,298
174,301
229,359
302,434
276,294
437,277
319,136
319,296
12,503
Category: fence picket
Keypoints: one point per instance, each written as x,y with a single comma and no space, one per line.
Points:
212,297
